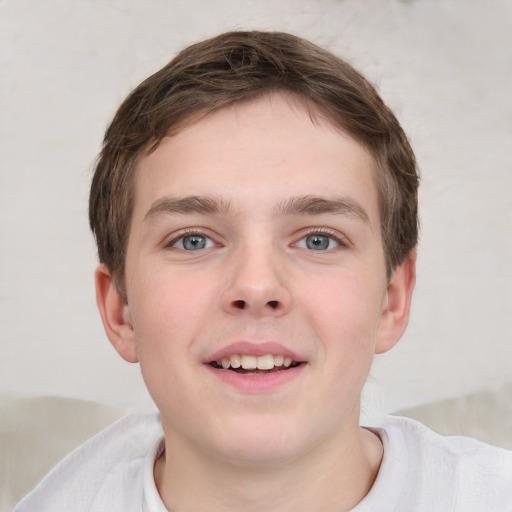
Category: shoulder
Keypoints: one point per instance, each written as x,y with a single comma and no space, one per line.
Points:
454,472
424,443
104,473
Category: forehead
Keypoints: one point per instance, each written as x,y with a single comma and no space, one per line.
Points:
265,148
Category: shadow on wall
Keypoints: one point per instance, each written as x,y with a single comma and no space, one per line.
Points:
485,415
36,432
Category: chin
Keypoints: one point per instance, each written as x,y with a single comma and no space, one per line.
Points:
259,443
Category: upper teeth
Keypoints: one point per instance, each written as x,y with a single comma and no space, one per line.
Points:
252,362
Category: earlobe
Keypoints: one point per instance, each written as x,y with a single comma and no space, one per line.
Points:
115,315
396,305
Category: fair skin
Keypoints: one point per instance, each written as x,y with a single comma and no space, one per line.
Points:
256,232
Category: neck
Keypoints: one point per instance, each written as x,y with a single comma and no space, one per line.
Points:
335,476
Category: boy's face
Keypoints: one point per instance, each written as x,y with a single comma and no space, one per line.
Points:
256,232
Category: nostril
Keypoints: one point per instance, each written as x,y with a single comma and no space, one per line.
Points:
273,304
239,304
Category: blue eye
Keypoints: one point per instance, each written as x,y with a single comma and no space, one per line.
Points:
318,242
193,242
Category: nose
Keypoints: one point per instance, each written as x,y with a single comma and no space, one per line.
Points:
256,284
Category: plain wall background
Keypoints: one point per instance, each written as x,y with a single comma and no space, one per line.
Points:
445,67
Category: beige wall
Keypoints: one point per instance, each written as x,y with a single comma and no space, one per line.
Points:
446,69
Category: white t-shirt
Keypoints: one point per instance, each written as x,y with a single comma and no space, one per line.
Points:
421,472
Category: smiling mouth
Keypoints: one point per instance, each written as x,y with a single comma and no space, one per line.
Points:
254,365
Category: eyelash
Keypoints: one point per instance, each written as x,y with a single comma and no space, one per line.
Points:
183,234
331,233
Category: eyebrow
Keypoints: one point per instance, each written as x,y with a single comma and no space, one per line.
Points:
189,204
300,205
311,205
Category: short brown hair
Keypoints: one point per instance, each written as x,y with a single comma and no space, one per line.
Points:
240,66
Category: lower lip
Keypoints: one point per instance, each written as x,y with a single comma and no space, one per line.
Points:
257,383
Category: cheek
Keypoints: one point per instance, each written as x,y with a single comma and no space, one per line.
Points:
345,312
168,310
167,307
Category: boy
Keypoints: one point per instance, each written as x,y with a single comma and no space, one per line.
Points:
255,209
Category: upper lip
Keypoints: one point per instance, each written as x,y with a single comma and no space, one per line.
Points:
247,348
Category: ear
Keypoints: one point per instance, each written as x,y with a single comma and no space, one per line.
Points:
396,305
115,315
